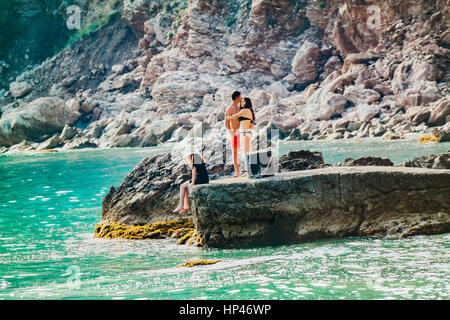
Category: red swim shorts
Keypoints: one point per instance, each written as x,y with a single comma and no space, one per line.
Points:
235,143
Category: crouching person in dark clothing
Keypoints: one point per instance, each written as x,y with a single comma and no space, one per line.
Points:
199,176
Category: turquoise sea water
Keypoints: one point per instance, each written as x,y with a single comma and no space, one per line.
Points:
50,203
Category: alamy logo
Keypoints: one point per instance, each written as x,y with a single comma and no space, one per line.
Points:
374,20
74,272
74,17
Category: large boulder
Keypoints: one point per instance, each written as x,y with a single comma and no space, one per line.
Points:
331,105
147,193
180,91
331,202
20,88
358,95
417,114
150,191
301,160
439,112
414,83
36,120
156,132
305,62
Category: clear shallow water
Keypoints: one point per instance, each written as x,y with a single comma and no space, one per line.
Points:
50,203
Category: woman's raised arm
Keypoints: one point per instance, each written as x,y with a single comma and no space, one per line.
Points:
240,113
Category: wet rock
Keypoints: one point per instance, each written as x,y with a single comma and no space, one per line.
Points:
158,230
393,137
301,160
366,161
440,161
443,134
429,138
199,262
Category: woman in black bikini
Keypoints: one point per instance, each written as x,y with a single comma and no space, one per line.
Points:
246,119
199,176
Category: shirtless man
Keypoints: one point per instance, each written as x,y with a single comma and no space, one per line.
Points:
233,128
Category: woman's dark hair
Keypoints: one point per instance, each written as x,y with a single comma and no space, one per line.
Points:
248,105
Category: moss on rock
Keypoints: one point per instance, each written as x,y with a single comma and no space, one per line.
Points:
198,262
158,230
429,138
192,238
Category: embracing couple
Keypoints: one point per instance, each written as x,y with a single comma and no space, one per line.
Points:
239,121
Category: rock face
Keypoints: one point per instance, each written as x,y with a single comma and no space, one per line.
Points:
146,193
159,65
150,191
440,161
324,203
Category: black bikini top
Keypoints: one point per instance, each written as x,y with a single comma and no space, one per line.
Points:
244,118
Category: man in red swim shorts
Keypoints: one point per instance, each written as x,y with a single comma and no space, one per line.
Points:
233,128
236,140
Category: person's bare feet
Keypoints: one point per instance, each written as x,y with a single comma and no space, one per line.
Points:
177,209
184,209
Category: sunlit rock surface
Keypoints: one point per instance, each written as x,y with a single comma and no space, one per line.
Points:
330,202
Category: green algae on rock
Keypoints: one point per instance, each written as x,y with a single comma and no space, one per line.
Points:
198,262
158,230
192,238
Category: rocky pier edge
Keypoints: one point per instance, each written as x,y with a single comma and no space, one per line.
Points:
332,202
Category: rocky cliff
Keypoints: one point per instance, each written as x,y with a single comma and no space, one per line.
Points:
314,69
